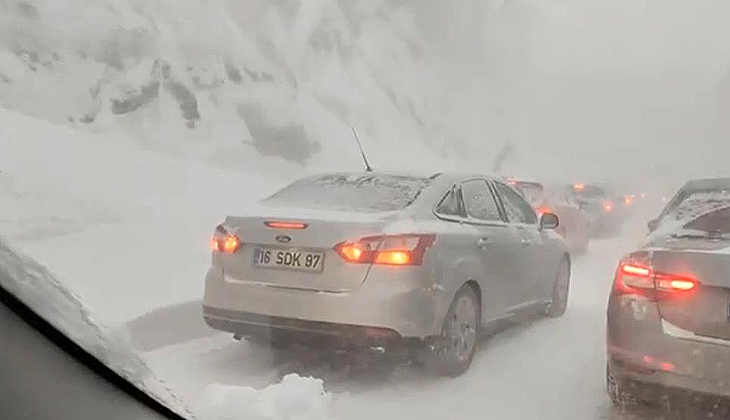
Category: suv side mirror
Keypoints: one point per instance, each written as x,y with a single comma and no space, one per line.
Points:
652,225
549,221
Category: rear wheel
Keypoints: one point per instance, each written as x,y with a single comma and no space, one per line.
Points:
458,341
559,297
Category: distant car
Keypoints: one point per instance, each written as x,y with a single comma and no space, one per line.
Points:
668,314
382,261
601,205
695,197
574,223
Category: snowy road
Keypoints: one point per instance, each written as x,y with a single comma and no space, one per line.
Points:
547,368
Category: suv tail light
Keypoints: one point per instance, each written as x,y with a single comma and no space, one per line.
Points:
640,280
223,241
408,249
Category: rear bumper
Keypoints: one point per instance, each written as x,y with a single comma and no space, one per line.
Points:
322,333
652,385
396,301
644,349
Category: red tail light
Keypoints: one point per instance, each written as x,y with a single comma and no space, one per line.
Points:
608,206
408,249
639,280
223,241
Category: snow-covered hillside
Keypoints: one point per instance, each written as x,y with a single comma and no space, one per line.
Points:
239,83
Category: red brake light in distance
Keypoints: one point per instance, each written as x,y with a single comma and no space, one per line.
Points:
608,206
542,210
222,241
636,279
579,186
408,249
285,225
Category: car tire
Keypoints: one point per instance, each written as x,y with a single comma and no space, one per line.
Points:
455,348
561,289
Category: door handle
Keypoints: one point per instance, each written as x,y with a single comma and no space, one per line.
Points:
484,242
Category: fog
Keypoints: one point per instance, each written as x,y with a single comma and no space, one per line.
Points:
617,86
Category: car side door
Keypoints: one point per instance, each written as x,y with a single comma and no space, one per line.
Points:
532,251
495,243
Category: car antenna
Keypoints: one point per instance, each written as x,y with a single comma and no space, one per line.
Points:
368,168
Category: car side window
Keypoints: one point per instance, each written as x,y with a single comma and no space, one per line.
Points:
478,200
517,209
450,204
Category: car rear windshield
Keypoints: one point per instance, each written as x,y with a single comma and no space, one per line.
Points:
533,192
352,192
716,221
700,202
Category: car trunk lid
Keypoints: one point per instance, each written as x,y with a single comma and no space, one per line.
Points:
704,311
319,233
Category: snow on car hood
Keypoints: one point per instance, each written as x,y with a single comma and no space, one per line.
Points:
37,288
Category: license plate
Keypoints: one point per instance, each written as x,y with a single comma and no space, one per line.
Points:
294,259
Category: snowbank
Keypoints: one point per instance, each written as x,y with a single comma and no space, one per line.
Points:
294,398
125,229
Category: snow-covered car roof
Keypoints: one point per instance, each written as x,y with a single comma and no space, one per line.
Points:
365,192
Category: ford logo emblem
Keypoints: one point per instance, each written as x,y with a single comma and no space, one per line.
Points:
284,239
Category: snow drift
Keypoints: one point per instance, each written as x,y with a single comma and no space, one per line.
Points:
294,398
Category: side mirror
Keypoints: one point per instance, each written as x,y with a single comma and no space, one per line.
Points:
548,221
652,225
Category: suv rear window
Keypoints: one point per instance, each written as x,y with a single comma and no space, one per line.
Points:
352,192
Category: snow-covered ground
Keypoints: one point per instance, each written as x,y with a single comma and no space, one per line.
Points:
128,230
